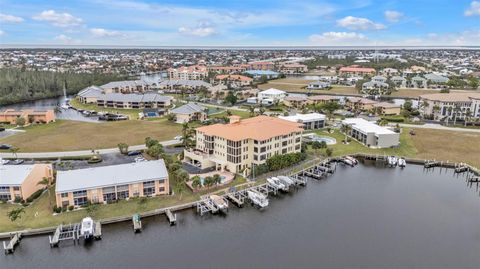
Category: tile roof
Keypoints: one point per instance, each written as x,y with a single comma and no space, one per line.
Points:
189,108
452,96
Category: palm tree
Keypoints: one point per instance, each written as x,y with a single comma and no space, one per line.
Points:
449,109
468,114
46,182
456,110
346,129
186,134
252,111
15,214
217,179
14,151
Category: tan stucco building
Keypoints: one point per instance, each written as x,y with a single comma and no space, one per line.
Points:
111,183
239,144
21,181
31,116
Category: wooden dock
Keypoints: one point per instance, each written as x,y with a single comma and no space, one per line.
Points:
14,241
172,218
97,231
236,197
64,233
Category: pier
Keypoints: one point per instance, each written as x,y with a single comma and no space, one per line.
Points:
65,233
14,241
172,218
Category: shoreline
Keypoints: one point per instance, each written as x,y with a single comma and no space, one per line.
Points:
185,206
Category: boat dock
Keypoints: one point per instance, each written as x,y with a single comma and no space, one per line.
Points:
137,223
461,167
65,233
14,241
172,218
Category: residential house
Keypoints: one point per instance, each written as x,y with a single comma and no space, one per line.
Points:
387,109
318,85
30,116
295,101
310,121
235,81
371,134
189,112
18,182
273,94
453,105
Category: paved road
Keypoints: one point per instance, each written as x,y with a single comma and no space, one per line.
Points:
25,155
440,127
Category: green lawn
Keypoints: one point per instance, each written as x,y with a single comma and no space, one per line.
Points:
242,114
64,135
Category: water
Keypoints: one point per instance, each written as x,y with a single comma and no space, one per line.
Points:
363,217
52,103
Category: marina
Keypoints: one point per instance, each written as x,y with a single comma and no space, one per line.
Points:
401,218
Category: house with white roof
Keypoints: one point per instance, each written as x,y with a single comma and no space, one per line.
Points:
18,182
273,94
371,134
111,183
310,121
189,112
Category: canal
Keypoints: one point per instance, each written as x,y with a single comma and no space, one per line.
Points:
363,217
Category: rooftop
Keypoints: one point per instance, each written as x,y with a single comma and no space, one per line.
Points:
258,128
14,174
304,117
105,176
452,96
366,126
189,108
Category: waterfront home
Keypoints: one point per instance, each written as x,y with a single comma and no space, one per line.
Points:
375,87
261,65
436,79
371,134
387,109
310,121
18,182
194,72
293,68
182,85
358,103
111,183
322,99
418,82
295,101
30,116
189,112
274,94
399,82
126,86
238,145
235,81
453,105
132,100
89,95
318,85
355,70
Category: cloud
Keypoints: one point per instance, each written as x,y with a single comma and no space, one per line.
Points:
355,23
58,19
2,32
64,39
10,18
203,29
393,16
338,38
465,38
473,10
100,32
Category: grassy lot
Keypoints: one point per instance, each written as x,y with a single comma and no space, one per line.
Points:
132,113
241,113
39,213
66,135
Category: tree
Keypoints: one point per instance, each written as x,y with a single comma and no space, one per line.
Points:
329,152
196,182
231,98
150,142
187,135
20,121
46,183
468,114
329,108
217,179
208,181
252,111
123,148
473,82
155,151
346,129
14,151
15,214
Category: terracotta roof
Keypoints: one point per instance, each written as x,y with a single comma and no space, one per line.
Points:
361,100
386,105
452,96
233,77
258,128
295,98
357,69
323,97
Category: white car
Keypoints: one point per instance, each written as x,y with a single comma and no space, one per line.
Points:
178,137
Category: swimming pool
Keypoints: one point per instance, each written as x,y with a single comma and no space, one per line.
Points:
326,139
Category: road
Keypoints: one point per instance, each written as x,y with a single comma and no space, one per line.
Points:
60,154
440,127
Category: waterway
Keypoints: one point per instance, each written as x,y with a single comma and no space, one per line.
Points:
52,103
363,217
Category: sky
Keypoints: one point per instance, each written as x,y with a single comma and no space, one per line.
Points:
241,22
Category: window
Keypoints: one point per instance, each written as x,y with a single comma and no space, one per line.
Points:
80,201
161,189
5,189
64,195
16,188
5,197
148,188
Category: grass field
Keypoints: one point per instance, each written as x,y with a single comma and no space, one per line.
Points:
242,114
131,113
66,135
39,213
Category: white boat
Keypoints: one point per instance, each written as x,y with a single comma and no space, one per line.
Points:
277,183
402,162
348,162
87,228
392,160
257,198
354,161
2,161
286,180
219,202
65,106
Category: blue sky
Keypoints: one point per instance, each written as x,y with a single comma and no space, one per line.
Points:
237,22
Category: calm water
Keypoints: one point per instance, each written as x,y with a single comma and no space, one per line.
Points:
52,103
361,217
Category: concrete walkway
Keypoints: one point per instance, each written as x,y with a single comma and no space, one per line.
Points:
440,127
29,155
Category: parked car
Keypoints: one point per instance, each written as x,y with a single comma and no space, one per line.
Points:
2,129
5,146
139,159
178,137
4,161
134,153
17,161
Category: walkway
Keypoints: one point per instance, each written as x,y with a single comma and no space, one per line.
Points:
60,154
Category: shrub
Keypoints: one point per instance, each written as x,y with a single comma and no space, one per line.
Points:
17,200
34,196
57,209
70,208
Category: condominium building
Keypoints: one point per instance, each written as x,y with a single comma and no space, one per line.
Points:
147,100
309,121
371,134
459,105
358,103
261,65
194,72
293,68
234,80
356,70
18,182
387,109
126,86
238,145
10,116
111,183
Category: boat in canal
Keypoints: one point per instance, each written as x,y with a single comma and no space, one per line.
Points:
402,162
277,183
219,202
86,230
257,198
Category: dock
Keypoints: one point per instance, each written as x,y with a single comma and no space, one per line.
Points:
172,218
461,168
65,233
206,205
137,223
431,164
12,244
236,197
97,232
